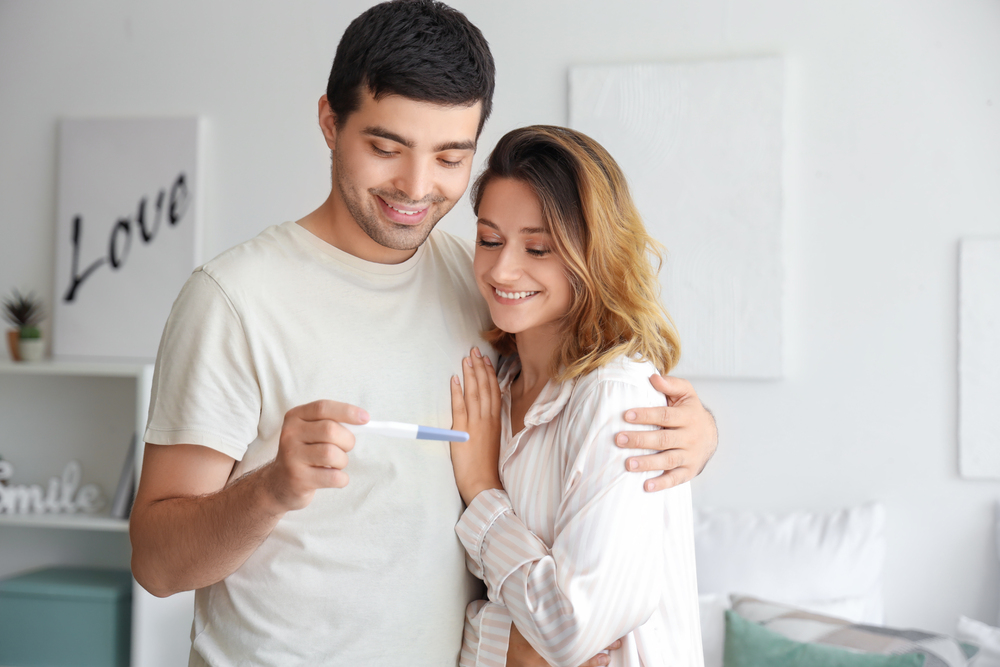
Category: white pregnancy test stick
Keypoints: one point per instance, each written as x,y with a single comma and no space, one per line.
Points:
412,431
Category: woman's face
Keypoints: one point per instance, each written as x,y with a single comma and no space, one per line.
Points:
517,270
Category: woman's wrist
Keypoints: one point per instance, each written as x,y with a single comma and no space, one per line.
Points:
470,490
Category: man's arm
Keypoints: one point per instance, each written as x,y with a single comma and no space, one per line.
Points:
686,440
189,529
520,653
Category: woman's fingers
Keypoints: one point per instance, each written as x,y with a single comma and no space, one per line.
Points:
471,387
494,388
459,417
482,384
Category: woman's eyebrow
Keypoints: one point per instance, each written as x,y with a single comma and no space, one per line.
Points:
523,230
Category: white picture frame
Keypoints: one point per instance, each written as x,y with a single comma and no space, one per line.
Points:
127,232
701,145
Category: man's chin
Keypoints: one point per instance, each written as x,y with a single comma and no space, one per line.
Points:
400,237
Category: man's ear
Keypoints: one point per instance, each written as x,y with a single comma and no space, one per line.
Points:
327,122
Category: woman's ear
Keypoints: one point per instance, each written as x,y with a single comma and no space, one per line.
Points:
327,122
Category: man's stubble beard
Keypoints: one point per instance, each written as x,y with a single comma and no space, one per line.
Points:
384,232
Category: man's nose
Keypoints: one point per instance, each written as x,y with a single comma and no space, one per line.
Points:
415,179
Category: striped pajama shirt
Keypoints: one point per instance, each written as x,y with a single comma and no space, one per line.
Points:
573,551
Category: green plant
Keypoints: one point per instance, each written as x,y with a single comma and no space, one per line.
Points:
23,313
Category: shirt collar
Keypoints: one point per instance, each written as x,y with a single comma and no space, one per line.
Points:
551,400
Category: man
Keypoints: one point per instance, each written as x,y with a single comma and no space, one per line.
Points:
306,545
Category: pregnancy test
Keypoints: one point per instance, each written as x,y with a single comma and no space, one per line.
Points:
411,431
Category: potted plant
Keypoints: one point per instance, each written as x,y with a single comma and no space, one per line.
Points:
25,339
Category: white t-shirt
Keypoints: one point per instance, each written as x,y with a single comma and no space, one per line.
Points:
372,574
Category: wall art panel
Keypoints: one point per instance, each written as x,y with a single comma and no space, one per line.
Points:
126,234
701,145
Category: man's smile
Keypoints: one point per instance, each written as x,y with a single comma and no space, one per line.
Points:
401,214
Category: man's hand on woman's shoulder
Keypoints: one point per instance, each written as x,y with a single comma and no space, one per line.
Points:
684,443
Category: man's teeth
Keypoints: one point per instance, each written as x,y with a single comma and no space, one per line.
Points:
399,210
515,295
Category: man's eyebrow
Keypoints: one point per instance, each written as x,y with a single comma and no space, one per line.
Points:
467,145
377,131
381,132
523,230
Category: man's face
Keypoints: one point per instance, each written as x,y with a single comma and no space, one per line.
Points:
400,165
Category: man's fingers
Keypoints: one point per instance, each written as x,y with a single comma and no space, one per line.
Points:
599,659
326,456
666,460
658,440
332,410
662,416
669,479
331,478
676,389
325,431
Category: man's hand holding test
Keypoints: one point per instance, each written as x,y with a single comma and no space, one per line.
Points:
191,527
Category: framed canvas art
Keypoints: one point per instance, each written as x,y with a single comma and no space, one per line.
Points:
701,146
127,232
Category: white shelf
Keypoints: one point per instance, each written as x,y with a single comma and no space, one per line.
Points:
72,521
89,368
92,426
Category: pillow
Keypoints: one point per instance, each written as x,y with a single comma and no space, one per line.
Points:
803,626
712,609
986,637
828,562
750,645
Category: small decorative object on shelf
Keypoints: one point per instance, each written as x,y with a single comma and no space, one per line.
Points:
24,313
64,494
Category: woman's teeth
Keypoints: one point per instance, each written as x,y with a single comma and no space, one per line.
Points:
514,295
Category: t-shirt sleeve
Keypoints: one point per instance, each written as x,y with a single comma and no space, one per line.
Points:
205,389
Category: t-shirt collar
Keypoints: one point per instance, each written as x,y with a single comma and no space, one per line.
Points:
348,259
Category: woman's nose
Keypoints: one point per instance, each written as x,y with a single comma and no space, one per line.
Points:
507,268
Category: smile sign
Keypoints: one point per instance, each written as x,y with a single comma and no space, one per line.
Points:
127,233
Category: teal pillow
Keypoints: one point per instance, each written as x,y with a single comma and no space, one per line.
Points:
752,645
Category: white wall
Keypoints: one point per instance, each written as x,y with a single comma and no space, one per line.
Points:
892,155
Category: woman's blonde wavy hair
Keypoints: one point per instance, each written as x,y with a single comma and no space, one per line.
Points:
600,237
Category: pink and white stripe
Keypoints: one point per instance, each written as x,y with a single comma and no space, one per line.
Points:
573,551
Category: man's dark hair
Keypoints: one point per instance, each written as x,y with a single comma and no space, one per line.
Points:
419,49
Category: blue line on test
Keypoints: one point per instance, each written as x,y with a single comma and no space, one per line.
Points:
431,433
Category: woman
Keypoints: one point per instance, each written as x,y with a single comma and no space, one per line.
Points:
555,525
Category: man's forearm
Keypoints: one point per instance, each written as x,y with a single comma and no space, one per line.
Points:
185,543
